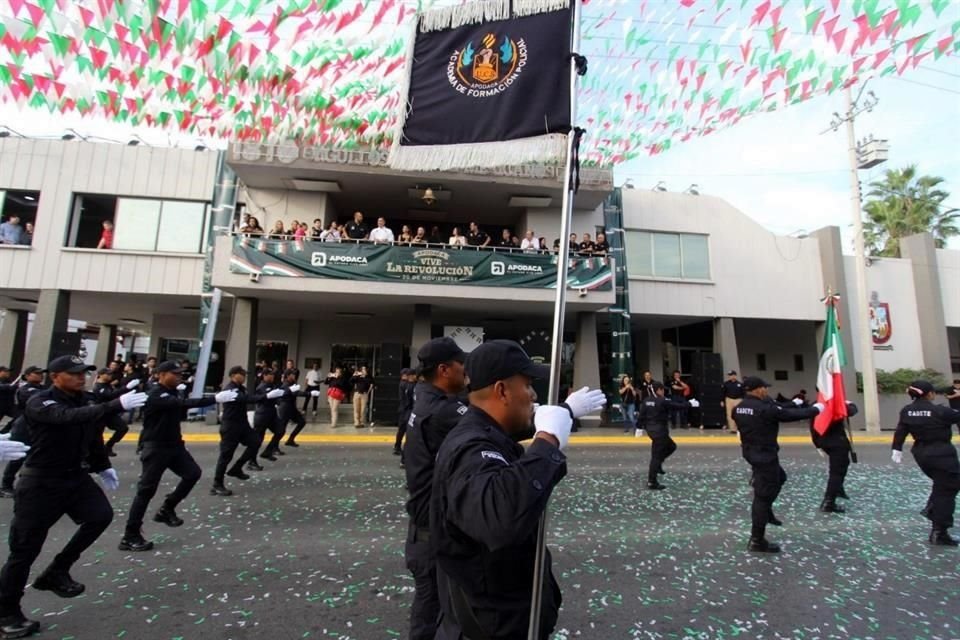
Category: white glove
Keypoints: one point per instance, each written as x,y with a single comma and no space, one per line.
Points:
896,456
585,401
5,436
133,384
110,479
181,387
294,388
694,403
230,395
554,420
12,450
797,401
133,400
273,395
820,407
315,394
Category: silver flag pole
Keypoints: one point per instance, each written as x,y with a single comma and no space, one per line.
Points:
559,308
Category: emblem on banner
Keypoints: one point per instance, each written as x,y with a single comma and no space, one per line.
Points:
488,67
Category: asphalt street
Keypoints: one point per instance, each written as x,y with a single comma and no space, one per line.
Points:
312,548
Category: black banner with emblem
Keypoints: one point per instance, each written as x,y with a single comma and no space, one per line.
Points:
414,264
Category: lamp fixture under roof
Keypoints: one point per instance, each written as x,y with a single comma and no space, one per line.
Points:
429,195
660,186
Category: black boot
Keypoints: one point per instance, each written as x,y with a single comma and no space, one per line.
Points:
134,542
58,581
829,505
111,452
941,538
843,494
655,486
280,452
397,451
772,519
238,474
219,490
16,625
168,516
254,466
927,512
762,545
268,455
291,443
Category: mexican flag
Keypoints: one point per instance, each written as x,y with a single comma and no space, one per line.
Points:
830,391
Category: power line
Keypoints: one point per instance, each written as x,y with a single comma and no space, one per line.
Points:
946,73
730,175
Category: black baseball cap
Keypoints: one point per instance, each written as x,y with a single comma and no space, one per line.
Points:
919,388
405,372
168,366
35,369
64,364
498,360
731,372
752,382
440,350
237,369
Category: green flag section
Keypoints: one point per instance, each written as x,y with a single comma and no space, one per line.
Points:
414,264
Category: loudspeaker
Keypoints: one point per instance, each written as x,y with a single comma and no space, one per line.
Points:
64,344
707,369
386,396
707,379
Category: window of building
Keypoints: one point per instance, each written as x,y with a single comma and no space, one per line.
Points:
139,224
761,362
668,255
21,205
798,362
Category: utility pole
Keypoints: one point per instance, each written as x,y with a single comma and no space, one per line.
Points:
862,157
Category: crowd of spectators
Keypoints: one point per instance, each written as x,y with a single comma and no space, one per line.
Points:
12,232
357,230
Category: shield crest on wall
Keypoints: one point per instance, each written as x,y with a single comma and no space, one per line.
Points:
881,325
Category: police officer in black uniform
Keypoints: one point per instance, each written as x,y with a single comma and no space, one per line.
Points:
287,406
67,435
235,430
404,408
19,431
8,388
161,447
836,445
105,391
758,420
266,418
488,496
655,420
929,424
435,412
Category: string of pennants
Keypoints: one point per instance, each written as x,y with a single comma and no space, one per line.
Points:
328,72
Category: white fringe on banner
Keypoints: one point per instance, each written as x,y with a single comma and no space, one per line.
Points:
470,13
539,149
532,7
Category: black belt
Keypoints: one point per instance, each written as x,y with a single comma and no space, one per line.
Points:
35,472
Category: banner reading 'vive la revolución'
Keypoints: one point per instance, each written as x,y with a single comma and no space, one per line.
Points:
421,265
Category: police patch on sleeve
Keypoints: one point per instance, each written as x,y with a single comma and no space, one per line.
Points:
47,403
494,455
462,409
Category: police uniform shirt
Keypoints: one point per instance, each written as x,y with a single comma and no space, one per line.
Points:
266,407
287,403
105,392
67,432
927,422
356,231
477,239
758,421
488,496
25,392
7,393
434,415
733,389
654,413
836,433
233,418
162,413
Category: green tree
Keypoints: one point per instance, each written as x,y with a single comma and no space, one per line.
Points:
902,204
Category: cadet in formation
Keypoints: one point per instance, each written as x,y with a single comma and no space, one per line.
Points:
104,391
266,418
408,380
836,445
654,420
19,431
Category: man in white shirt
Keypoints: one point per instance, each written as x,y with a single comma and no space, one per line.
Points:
382,234
313,384
530,244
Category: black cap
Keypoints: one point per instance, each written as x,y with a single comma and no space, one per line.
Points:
34,369
731,372
440,350
752,382
268,372
499,360
168,366
237,369
65,364
405,372
919,388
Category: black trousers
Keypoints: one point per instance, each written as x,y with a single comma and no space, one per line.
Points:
306,401
155,461
661,448
839,456
299,423
938,460
768,478
228,446
401,429
41,501
263,424
116,424
422,563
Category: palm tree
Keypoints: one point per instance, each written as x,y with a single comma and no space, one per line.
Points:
902,204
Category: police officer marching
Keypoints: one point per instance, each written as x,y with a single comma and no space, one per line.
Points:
836,445
408,380
19,431
235,430
489,494
435,413
67,435
265,417
161,447
105,391
930,426
758,420
287,406
654,419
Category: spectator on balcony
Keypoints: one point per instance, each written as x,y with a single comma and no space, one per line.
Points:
457,240
574,245
543,245
356,229
405,236
27,237
10,231
435,237
332,234
299,231
586,247
106,236
600,247
293,229
530,244
421,237
476,237
251,227
506,240
515,241
278,232
556,245
381,234
317,230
